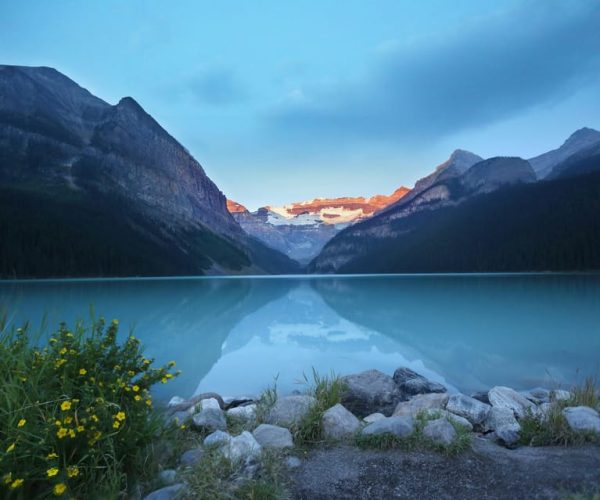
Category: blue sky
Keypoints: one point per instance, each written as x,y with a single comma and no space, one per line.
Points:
285,101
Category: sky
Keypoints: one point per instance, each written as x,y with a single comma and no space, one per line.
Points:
287,101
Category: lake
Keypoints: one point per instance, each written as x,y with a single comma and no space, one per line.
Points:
235,335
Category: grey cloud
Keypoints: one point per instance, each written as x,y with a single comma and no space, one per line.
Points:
482,73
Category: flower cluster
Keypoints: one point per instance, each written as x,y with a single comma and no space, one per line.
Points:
74,412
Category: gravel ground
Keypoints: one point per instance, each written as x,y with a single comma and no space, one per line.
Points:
487,472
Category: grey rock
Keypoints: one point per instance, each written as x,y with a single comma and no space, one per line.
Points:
180,417
538,395
373,417
412,383
421,402
290,410
544,411
167,493
481,396
273,436
440,431
398,426
582,418
246,413
471,409
451,417
210,419
505,397
369,392
339,423
293,462
167,476
209,403
217,438
191,457
559,395
509,434
241,448
502,421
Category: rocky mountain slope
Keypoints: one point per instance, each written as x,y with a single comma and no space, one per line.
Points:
300,230
143,204
493,217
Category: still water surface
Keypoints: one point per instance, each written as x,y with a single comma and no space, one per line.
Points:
234,335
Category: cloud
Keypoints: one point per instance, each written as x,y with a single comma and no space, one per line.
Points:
473,76
218,86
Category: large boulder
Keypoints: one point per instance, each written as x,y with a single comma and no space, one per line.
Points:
243,413
451,417
471,409
290,410
538,395
502,421
167,493
373,417
411,383
505,397
369,392
241,448
216,439
421,403
582,418
339,423
273,436
397,426
210,418
440,431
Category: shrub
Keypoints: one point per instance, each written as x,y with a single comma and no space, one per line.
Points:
75,416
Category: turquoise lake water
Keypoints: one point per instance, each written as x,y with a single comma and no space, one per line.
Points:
235,335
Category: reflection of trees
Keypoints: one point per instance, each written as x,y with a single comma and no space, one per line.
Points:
182,319
501,328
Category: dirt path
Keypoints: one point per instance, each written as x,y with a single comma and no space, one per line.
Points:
488,472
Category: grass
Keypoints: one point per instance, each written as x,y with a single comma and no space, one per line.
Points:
417,441
554,429
216,478
327,391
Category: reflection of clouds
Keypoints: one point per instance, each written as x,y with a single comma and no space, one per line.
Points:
342,331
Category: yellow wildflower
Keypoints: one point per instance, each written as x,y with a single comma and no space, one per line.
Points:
136,388
52,471
71,433
16,483
63,351
146,362
72,471
59,489
82,371
7,478
148,402
80,428
62,432
10,448
66,405
131,373
94,418
116,424
68,420
164,380
22,422
171,364
120,416
51,456
138,397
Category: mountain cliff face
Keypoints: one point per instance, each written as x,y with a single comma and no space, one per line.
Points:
578,142
446,187
64,149
300,230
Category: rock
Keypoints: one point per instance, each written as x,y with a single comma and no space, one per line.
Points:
538,395
191,404
471,409
398,426
582,418
167,476
505,397
544,411
210,418
167,493
209,403
369,392
241,448
339,423
217,438
180,417
373,417
293,462
191,457
174,401
411,383
290,410
235,401
245,413
273,436
502,421
559,395
451,417
440,431
481,396
420,403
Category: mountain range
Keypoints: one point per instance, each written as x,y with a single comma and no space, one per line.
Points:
93,189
